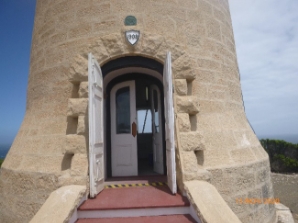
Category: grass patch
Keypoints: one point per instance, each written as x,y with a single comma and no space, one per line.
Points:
1,161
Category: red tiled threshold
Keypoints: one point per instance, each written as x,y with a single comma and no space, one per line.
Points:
134,198
151,219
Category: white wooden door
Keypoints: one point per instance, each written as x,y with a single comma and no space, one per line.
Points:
158,166
96,138
124,130
169,124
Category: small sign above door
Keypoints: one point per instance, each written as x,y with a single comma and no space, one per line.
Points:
132,36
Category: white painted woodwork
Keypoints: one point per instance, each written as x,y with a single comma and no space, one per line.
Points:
169,124
124,145
96,138
156,130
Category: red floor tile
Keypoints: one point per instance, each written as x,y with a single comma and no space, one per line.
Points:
134,197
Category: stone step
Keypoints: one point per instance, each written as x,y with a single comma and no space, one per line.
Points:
156,219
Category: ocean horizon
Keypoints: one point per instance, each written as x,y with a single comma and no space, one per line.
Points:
288,138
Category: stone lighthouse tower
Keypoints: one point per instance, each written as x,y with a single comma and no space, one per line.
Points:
116,84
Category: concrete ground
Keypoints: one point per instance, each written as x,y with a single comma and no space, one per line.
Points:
286,189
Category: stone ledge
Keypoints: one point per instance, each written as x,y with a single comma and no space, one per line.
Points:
187,104
75,144
191,141
60,204
183,68
79,69
283,214
208,203
77,106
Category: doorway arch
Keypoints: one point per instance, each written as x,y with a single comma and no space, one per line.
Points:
147,75
98,125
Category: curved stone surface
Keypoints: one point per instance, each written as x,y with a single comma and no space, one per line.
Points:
200,37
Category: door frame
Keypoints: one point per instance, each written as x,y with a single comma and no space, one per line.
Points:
108,88
166,72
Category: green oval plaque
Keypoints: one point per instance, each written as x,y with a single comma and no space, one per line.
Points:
130,20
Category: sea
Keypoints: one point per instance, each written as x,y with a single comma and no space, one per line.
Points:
3,150
288,138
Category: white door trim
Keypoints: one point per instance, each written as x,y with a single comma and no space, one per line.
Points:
169,123
96,137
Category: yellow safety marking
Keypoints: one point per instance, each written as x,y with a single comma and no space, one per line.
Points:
155,184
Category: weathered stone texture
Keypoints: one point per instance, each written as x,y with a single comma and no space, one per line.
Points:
51,146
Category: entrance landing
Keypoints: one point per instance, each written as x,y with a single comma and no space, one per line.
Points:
135,197
136,204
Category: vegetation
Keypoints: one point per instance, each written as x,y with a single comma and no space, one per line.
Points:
1,161
283,155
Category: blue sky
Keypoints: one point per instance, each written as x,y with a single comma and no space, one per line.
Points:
16,24
266,35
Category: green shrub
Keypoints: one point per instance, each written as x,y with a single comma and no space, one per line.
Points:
283,155
287,161
1,161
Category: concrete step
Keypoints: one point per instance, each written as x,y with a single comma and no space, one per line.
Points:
156,219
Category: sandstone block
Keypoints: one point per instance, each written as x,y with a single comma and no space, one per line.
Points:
79,165
181,86
151,43
176,50
191,141
183,68
243,155
283,214
81,129
187,104
77,106
113,44
204,175
190,165
60,205
83,90
80,30
183,122
99,51
79,69
209,204
209,64
75,144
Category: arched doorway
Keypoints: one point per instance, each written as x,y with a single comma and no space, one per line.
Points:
135,126
132,142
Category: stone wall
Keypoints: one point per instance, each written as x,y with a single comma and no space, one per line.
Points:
215,141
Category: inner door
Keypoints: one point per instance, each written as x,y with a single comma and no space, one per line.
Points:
124,130
157,142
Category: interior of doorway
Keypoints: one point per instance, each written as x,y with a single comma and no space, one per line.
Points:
143,83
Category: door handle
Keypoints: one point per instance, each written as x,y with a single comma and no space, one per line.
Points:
134,129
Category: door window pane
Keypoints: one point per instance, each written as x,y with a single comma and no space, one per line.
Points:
123,111
144,121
